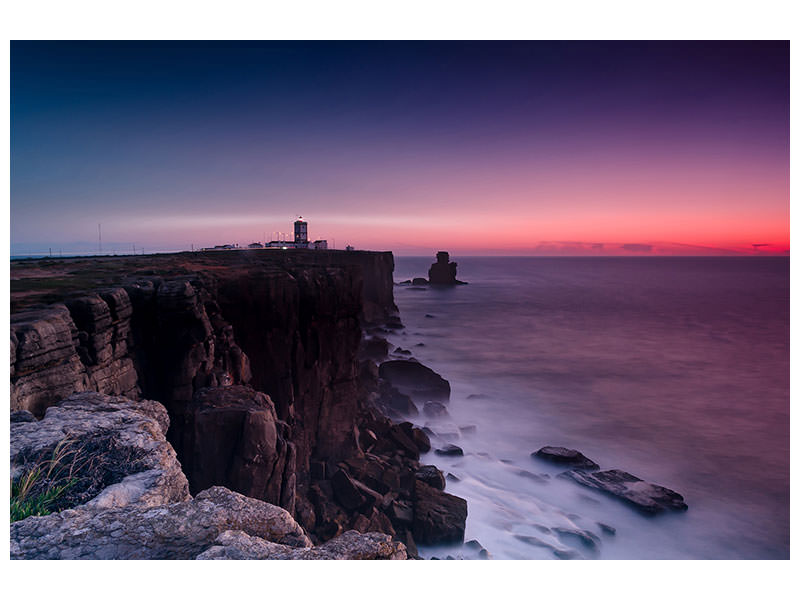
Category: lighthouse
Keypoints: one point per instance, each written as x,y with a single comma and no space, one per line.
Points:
300,233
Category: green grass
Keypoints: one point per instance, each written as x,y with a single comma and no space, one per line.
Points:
71,473
45,482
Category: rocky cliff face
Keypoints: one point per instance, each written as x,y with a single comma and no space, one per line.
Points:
144,510
255,356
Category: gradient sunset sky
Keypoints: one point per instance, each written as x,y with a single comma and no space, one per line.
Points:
474,147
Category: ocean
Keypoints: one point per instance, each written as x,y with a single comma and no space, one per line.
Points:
675,369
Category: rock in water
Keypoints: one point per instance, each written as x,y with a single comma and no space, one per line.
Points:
443,272
449,450
565,456
646,497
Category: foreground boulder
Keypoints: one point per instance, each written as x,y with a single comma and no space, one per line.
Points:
565,456
180,530
117,444
646,497
351,545
415,380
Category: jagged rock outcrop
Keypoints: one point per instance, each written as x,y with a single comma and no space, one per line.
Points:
51,357
134,425
351,545
182,344
232,437
645,497
181,530
439,517
443,272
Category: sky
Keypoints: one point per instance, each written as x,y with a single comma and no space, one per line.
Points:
506,148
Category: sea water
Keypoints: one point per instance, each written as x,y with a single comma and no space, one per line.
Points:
673,369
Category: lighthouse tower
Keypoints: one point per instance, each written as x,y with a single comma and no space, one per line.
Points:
300,233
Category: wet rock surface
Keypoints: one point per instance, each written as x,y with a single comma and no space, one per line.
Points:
565,456
450,450
645,497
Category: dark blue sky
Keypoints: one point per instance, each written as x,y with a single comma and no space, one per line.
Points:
172,143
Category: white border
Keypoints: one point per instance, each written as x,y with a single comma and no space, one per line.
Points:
411,19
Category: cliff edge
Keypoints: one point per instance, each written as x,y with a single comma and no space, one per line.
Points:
258,359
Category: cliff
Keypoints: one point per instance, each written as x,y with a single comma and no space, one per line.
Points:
256,356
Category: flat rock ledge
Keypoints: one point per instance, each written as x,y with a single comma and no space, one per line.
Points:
181,530
136,425
646,497
351,545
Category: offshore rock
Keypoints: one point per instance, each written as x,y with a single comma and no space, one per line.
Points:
351,545
443,272
136,425
415,380
180,530
233,438
565,456
645,497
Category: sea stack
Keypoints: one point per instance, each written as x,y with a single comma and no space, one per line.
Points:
443,272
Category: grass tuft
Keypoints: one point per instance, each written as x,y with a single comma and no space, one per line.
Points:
71,473
37,492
